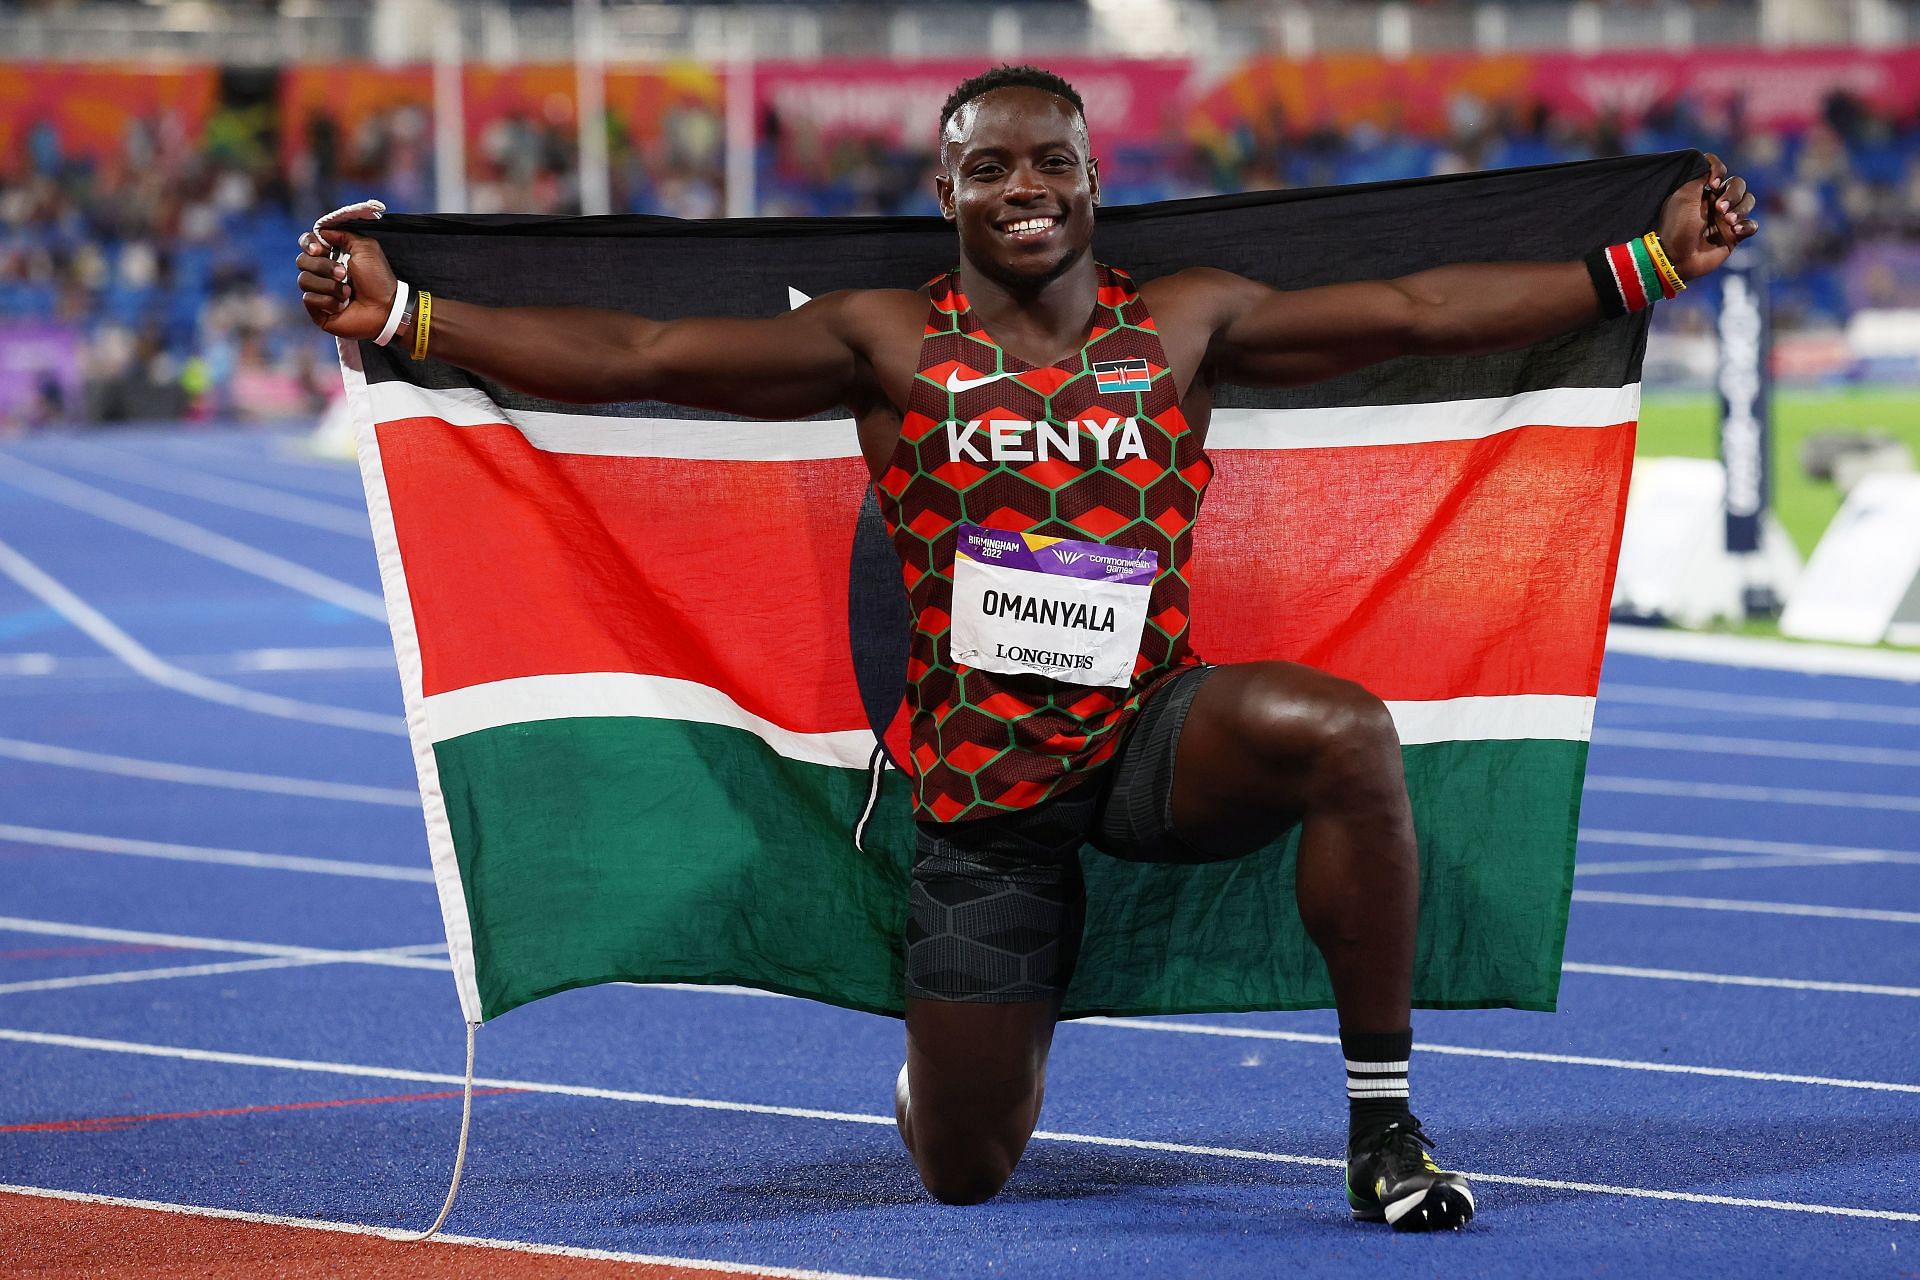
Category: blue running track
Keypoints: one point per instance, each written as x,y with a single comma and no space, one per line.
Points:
208,908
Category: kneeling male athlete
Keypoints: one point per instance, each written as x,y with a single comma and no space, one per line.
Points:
1122,737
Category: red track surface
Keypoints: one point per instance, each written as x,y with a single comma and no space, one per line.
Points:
49,1237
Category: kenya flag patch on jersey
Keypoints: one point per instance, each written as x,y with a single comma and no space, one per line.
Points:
1122,375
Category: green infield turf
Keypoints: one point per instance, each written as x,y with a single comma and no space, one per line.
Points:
1686,424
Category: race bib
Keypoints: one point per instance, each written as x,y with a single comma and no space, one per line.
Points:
1029,605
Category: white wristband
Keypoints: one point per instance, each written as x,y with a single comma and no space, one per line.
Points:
400,292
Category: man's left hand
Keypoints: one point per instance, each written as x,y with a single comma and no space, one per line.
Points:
1703,220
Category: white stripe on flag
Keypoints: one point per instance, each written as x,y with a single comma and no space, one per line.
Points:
1559,716
616,693
406,648
1343,426
734,440
718,440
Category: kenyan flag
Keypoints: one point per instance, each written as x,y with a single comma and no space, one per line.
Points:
650,655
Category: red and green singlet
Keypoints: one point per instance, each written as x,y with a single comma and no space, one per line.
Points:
988,440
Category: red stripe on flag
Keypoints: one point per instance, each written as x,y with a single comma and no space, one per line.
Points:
1437,570
1443,570
732,574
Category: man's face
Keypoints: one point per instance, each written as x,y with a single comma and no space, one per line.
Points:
1019,184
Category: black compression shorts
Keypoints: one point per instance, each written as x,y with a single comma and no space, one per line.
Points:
997,903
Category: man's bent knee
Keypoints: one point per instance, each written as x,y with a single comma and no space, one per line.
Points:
1359,744
973,1178
1321,721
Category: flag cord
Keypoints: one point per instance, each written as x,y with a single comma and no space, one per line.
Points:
460,1156
876,764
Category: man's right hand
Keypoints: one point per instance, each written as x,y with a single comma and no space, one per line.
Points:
351,299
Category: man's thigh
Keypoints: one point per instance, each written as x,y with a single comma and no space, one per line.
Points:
995,907
1223,759
993,932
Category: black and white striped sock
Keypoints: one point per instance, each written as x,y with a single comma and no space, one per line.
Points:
1376,1077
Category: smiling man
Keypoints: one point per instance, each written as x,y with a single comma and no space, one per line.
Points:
1046,713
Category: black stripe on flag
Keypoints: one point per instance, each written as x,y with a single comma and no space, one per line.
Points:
665,268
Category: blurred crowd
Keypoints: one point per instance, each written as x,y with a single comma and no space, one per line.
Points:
154,279
157,281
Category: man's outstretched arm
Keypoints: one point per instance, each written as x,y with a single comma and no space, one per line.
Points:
1264,337
791,365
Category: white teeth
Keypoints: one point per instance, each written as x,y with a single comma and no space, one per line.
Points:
1031,224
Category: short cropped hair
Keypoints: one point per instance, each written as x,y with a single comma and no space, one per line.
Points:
1006,77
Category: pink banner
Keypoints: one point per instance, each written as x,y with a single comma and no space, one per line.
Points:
899,102
1782,89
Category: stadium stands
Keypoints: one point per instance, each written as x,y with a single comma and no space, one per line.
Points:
158,252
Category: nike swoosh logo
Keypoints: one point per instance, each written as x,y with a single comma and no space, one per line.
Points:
957,383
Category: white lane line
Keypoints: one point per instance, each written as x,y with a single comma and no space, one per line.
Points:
1730,844
163,673
1768,795
1729,862
1508,1055
849,1117
224,491
249,454
195,775
47,837
1712,744
340,658
345,658
1740,980
1743,904
1772,655
123,976
1611,971
150,975
278,957
1755,704
406,1234
190,537
1505,1179
392,957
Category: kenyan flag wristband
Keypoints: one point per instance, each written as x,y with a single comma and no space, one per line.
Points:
1633,276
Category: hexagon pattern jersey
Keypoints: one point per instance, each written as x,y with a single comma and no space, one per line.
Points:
983,742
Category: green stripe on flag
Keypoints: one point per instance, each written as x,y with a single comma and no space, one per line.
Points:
624,849
633,850
1496,823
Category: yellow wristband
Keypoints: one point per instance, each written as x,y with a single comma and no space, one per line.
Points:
1658,253
422,321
